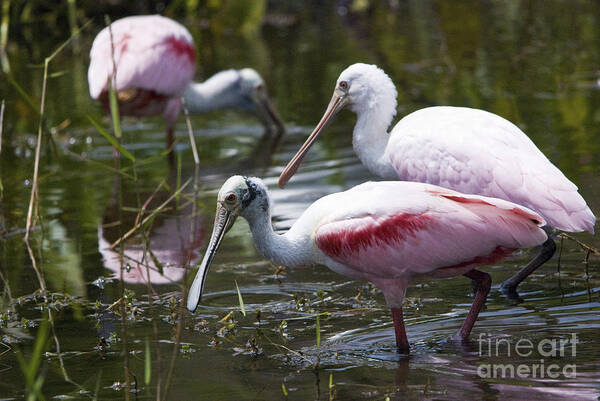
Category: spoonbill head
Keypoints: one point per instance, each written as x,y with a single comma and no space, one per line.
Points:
241,89
238,196
359,87
385,232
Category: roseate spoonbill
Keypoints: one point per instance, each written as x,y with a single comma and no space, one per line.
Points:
155,64
385,232
468,150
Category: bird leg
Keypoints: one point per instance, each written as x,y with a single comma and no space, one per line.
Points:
509,287
169,145
170,138
401,340
484,283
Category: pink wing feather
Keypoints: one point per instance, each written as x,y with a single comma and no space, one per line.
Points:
414,228
476,152
151,52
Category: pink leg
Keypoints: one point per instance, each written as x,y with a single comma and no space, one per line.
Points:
484,282
401,340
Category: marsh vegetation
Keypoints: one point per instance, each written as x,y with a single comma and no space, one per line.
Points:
91,305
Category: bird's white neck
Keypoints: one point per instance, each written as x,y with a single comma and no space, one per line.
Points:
201,99
286,249
214,93
370,139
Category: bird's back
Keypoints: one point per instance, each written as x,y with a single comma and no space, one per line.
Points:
386,230
151,52
477,152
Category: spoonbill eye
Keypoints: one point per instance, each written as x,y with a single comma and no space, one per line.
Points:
231,198
344,85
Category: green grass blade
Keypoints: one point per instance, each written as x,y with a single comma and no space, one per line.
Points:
23,365
4,63
23,94
148,365
41,342
97,390
65,43
113,141
318,326
112,94
178,172
72,13
114,110
18,87
30,369
143,162
100,164
285,393
58,74
36,392
242,308
157,263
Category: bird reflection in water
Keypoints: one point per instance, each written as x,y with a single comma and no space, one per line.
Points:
158,254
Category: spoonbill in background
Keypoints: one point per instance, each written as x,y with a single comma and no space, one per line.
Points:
467,150
155,64
388,233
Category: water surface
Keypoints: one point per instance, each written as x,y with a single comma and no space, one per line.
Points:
534,63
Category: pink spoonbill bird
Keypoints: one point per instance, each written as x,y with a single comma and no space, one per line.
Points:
468,150
388,233
155,63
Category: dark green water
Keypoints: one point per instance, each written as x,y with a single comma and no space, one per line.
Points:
535,63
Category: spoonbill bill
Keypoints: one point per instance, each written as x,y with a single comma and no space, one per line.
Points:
155,62
388,233
467,150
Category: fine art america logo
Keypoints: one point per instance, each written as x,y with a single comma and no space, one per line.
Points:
526,358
